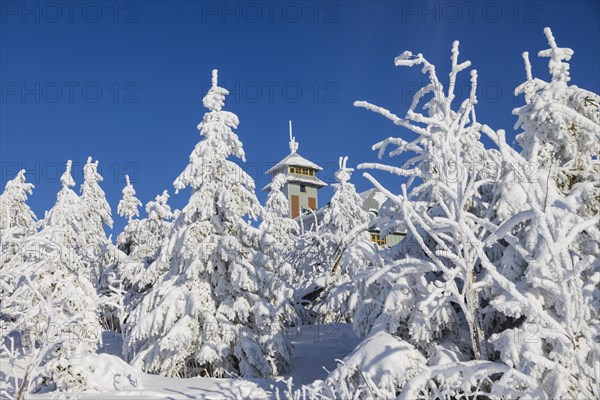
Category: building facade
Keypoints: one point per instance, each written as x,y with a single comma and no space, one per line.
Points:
302,184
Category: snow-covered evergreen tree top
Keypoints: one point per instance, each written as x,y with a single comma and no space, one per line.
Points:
278,230
560,136
77,222
67,209
128,206
344,173
219,142
14,211
66,179
560,123
345,210
93,197
159,209
557,55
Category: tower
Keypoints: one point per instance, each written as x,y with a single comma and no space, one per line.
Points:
302,184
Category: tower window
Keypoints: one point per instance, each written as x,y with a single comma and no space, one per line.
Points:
302,171
302,188
376,238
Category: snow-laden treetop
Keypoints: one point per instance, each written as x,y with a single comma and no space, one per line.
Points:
220,141
128,206
66,178
558,69
18,188
344,173
215,98
14,210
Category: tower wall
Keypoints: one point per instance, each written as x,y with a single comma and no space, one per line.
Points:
293,189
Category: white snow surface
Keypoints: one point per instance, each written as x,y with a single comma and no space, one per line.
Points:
317,349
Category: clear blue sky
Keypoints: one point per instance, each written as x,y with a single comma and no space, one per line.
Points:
123,81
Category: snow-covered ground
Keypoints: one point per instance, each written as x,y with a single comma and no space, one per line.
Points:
316,349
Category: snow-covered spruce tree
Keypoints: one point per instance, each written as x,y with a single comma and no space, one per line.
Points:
278,231
559,125
111,287
320,252
126,276
128,206
141,238
17,221
79,220
345,225
66,217
549,221
96,214
345,218
50,305
215,311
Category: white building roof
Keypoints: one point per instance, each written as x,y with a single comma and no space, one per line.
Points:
294,160
372,199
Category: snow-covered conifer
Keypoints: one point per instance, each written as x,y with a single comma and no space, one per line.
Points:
13,205
345,211
320,251
278,231
345,227
131,270
96,214
66,216
17,221
552,239
141,238
214,311
94,203
560,126
50,305
128,206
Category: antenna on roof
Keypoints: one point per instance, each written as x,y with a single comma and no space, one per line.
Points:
293,144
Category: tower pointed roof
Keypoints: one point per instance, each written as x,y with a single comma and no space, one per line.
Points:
295,160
